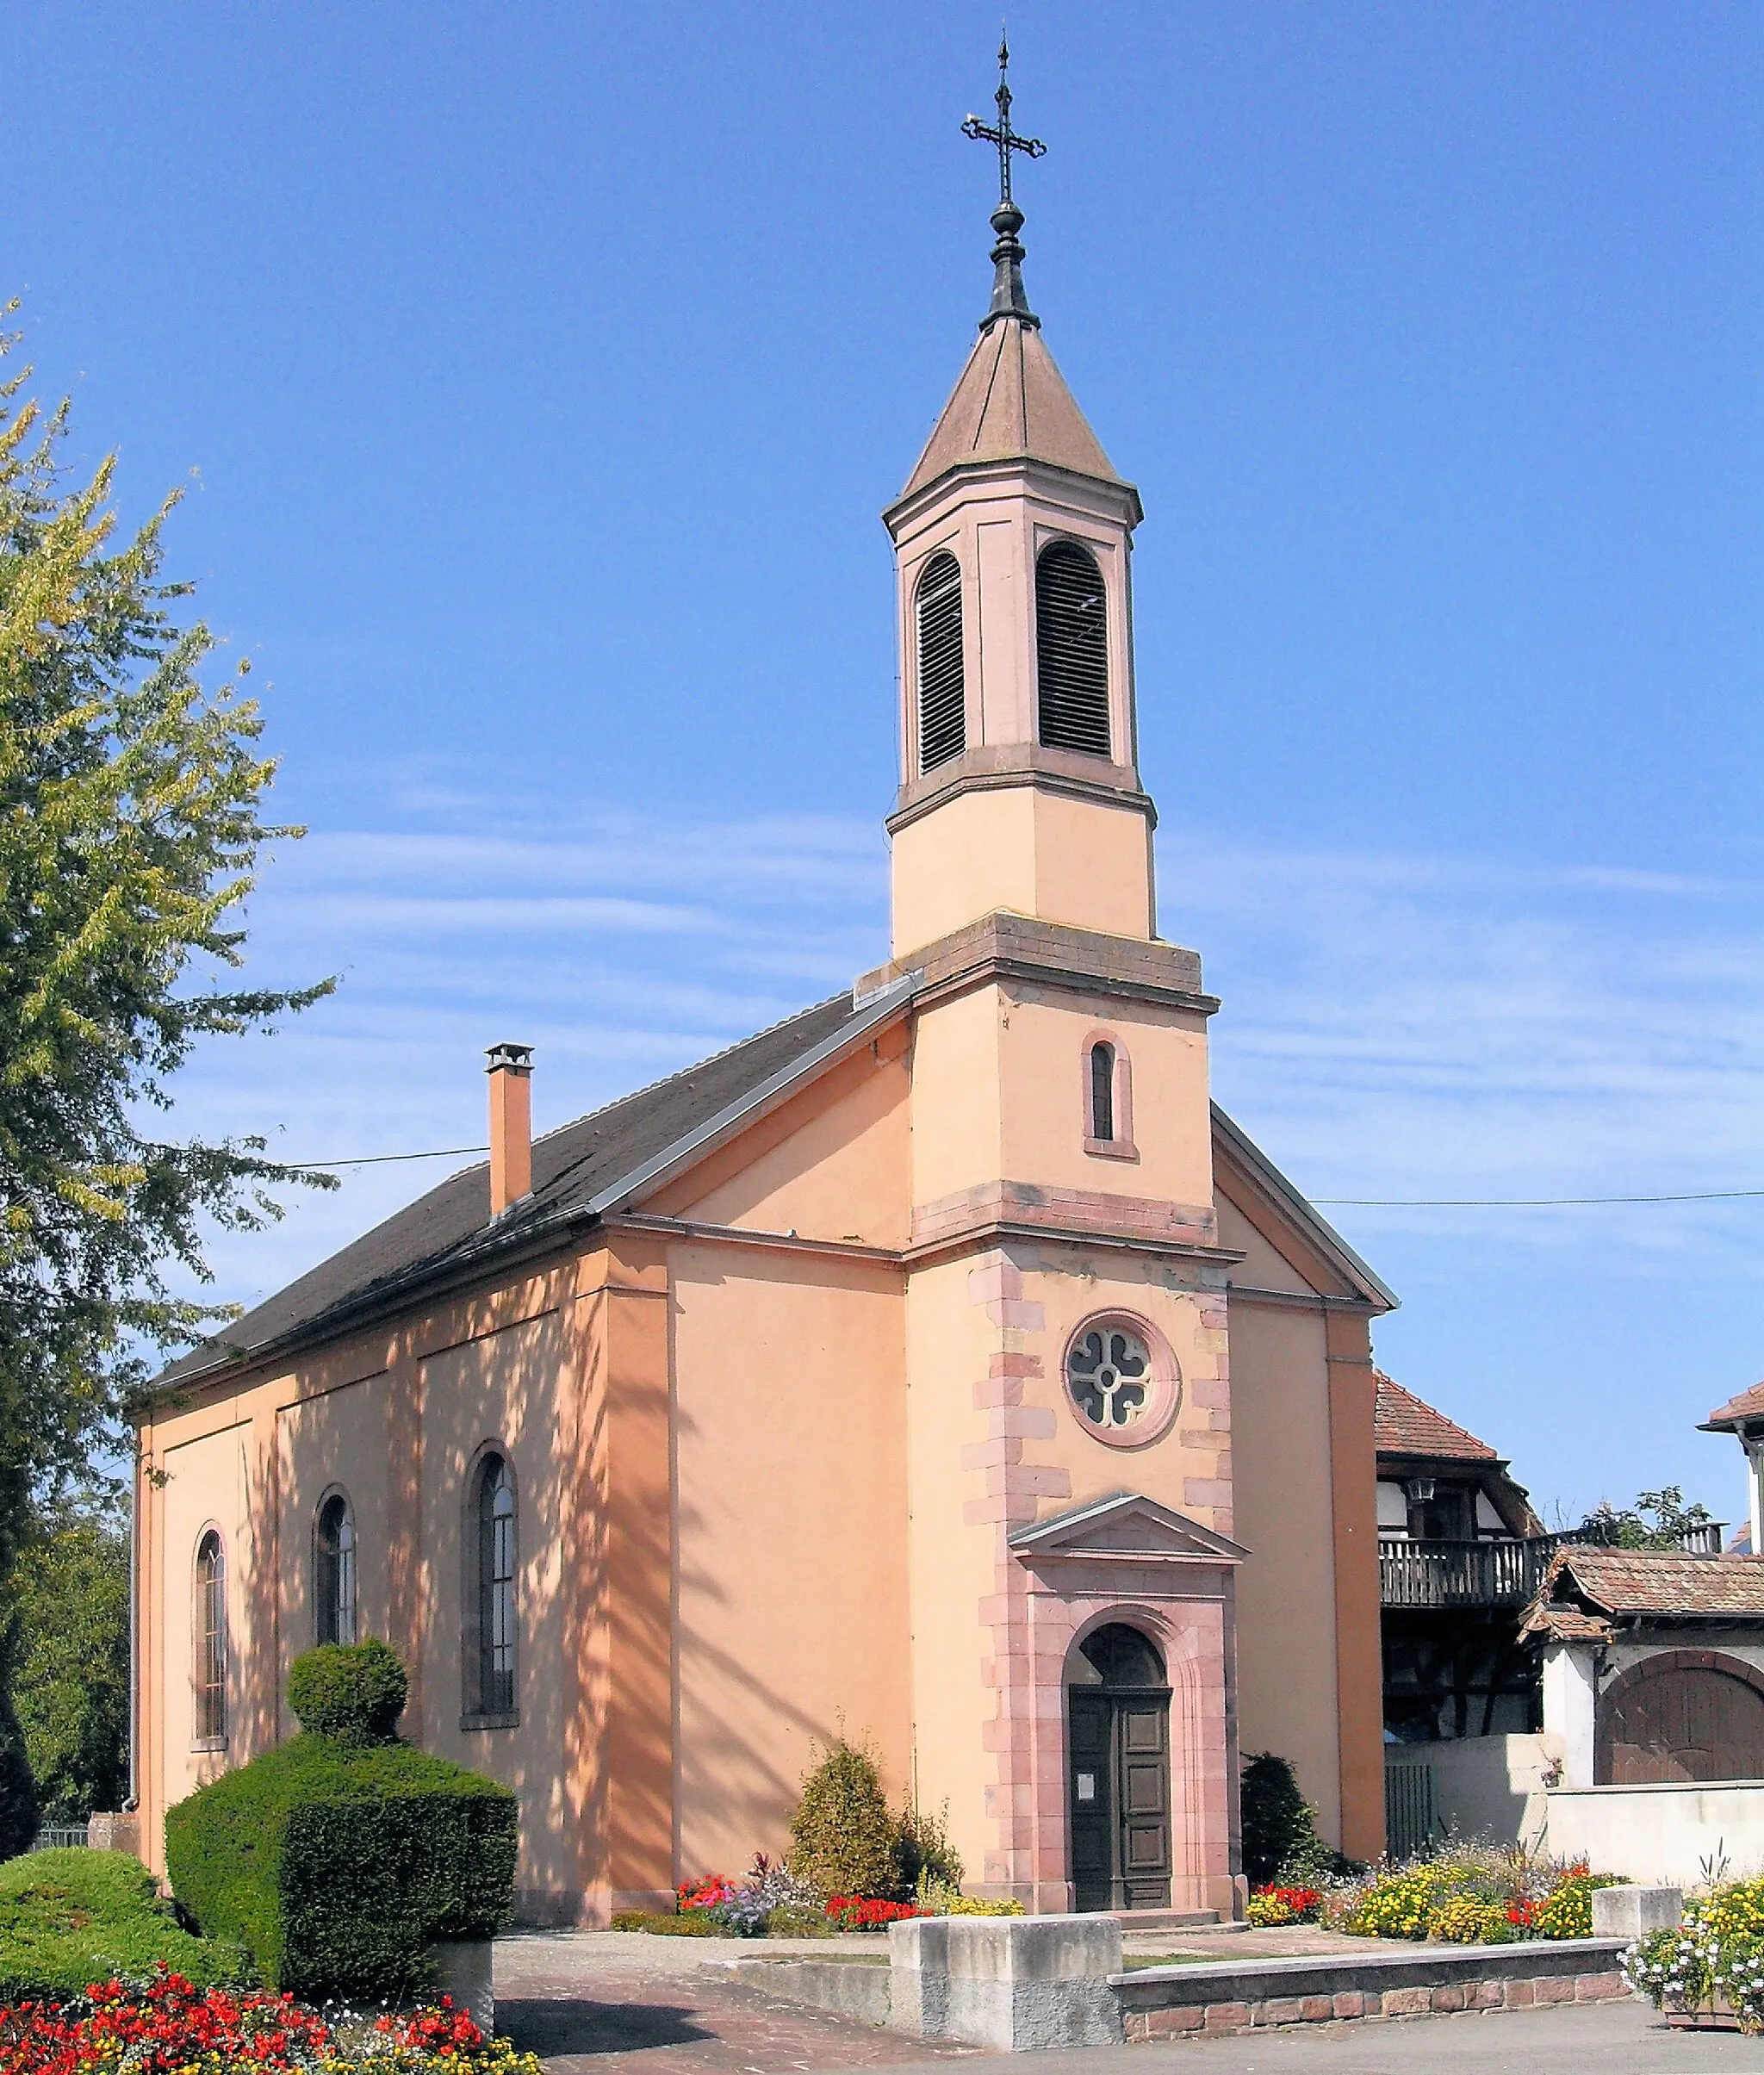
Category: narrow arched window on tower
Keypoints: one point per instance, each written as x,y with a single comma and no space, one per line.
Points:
1103,1092
943,730
1071,651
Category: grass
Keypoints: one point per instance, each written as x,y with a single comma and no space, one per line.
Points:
1132,1960
73,1917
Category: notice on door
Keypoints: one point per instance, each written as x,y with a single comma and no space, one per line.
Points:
1087,1786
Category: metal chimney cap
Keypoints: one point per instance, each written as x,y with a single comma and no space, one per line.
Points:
516,1059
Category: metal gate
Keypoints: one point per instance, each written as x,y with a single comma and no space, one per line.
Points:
1410,1810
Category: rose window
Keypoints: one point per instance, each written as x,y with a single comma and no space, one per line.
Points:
1109,1373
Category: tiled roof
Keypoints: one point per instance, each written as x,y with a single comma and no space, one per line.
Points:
1749,1405
1566,1624
449,1228
1619,1581
1404,1424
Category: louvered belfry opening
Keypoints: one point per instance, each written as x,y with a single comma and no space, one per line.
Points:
1071,650
943,731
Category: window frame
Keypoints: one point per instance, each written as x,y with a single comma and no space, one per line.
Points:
922,586
349,1596
1054,548
479,1708
1119,1144
210,1640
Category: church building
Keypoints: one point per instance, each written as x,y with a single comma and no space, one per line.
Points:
939,1365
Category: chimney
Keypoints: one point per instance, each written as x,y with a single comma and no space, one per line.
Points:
511,1070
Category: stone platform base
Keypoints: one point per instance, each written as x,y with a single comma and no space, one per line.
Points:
1167,2002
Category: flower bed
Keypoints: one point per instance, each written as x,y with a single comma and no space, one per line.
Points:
1270,1908
769,1901
167,2025
1469,1894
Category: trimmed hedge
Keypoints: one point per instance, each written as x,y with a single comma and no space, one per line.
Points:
352,1690
70,1918
335,1864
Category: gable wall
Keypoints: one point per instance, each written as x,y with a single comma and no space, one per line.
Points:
832,1162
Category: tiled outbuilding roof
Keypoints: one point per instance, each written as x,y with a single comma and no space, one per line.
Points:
1658,1581
1404,1424
1748,1406
1565,1624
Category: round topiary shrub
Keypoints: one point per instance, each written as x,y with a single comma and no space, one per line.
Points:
354,1692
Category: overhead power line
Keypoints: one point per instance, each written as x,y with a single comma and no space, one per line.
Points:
1697,1196
376,1159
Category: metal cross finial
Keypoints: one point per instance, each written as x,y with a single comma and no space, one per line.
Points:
1004,136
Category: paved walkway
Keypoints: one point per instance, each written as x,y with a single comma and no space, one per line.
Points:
1567,2039
610,2003
619,2003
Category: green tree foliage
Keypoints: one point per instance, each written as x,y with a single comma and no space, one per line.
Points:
1658,1519
70,1681
844,1837
130,832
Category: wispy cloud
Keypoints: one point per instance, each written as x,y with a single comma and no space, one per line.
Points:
1393,1026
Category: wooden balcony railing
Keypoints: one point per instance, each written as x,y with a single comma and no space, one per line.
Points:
1487,1574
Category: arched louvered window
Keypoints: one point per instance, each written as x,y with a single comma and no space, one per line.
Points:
1102,1091
334,1571
1071,648
211,1639
496,1598
943,732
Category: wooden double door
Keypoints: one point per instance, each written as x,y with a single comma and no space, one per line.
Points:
1118,1776
1673,1720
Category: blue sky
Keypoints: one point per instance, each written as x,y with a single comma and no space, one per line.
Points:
544,370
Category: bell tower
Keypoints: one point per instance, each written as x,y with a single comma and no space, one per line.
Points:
1019,786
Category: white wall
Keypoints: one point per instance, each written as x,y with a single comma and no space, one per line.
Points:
1485,1786
1659,1834
1568,1709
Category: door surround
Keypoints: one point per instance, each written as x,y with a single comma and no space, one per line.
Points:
1131,1560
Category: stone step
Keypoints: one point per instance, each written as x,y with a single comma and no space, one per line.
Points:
1169,1920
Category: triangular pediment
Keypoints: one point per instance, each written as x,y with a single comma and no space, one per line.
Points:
1126,1527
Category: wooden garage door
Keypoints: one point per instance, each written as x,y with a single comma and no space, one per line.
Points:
1688,1722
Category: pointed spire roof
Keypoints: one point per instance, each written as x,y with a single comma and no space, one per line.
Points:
1011,404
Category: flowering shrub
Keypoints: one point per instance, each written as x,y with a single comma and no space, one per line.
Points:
741,1910
867,1912
940,1898
1718,1949
1567,1912
166,2026
1270,1907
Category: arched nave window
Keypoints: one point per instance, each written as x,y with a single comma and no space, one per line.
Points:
333,1571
